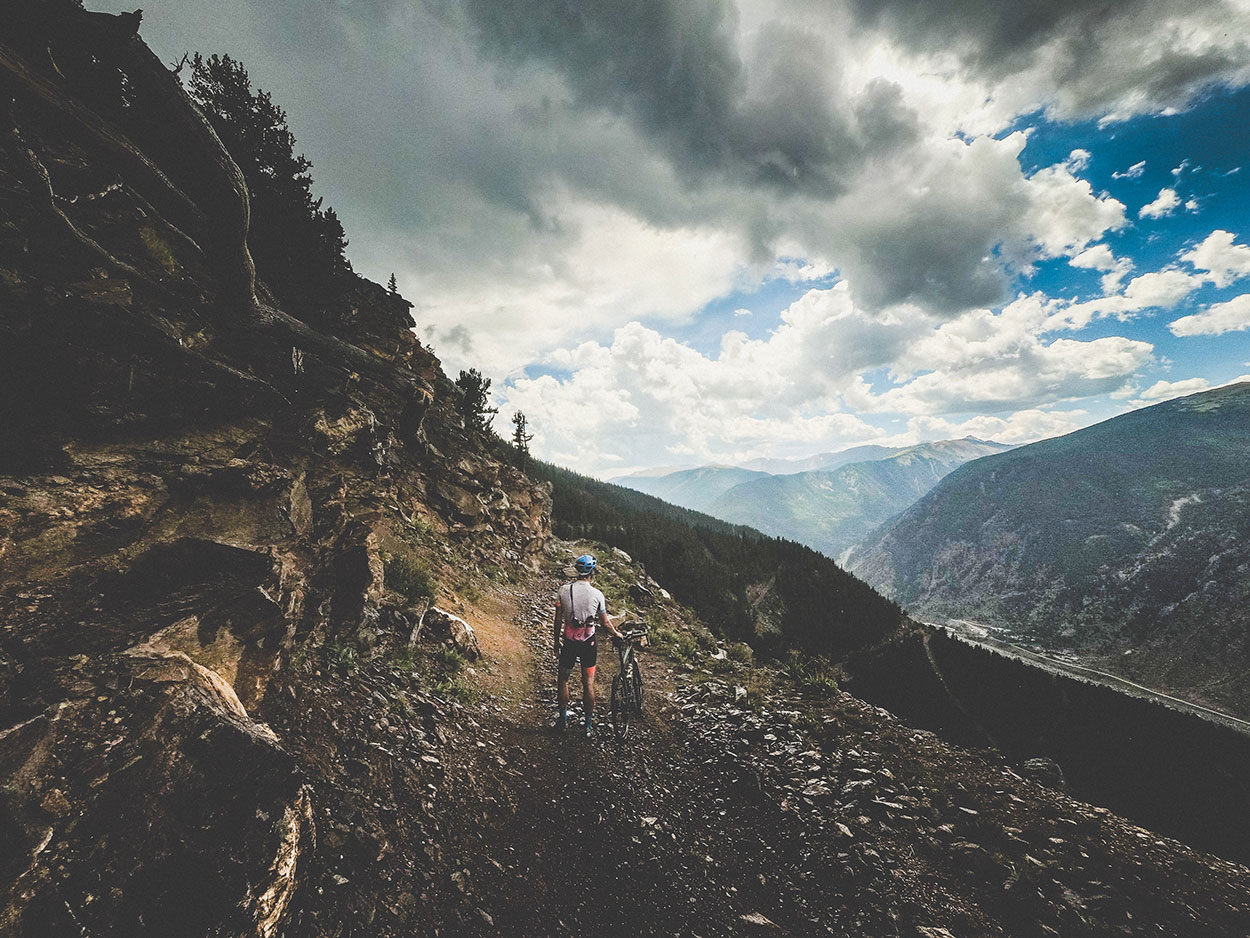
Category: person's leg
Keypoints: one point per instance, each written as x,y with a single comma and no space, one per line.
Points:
563,686
588,698
588,690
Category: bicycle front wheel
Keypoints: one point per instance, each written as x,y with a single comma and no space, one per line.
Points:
621,706
635,680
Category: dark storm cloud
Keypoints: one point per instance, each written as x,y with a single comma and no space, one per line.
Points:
462,141
940,261
672,67
1100,50
992,34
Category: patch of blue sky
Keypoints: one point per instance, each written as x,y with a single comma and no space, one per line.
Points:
879,380
1199,153
1057,278
763,305
540,370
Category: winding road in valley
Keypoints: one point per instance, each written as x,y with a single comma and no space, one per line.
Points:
957,629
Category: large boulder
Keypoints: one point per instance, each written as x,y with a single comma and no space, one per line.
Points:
458,633
216,813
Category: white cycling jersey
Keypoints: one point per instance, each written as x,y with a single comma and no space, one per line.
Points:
580,607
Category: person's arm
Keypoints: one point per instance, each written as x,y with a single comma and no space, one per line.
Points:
607,624
555,638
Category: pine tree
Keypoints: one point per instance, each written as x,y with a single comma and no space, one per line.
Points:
299,248
391,286
474,405
521,439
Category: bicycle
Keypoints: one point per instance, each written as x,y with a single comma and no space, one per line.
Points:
626,700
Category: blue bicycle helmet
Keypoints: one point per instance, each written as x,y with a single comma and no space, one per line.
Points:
585,564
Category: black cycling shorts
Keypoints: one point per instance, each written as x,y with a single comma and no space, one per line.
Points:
572,651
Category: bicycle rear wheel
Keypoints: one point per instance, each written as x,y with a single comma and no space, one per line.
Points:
622,706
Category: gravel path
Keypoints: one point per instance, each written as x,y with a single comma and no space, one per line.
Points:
782,817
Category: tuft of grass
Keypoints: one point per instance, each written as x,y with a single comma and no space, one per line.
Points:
449,665
299,658
405,659
450,661
410,578
419,531
458,691
662,635
158,249
341,656
740,652
812,675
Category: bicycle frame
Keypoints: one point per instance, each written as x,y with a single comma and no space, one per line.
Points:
626,697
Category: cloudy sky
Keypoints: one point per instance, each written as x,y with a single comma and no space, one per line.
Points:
686,231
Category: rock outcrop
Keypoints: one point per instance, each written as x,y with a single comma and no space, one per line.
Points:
199,493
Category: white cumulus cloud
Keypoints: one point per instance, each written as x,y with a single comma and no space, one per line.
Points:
1223,260
1100,257
1164,204
1230,316
1166,390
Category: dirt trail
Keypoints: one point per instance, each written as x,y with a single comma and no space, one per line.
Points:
562,835
777,816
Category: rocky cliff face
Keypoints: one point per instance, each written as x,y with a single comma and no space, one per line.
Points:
196,487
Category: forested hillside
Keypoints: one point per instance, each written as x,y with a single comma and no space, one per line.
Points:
746,585
1126,540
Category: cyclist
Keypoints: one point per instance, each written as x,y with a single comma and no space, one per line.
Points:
579,607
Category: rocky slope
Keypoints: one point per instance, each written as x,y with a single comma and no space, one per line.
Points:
1125,543
197,487
753,801
273,640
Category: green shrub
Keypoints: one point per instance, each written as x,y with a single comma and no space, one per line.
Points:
687,646
740,652
410,578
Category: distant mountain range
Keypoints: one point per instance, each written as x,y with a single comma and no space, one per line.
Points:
695,489
822,460
828,508
1128,540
